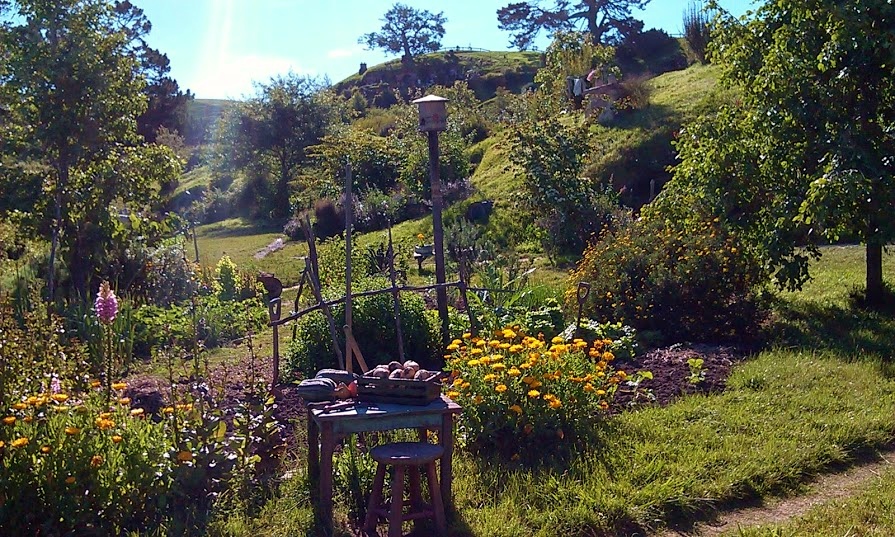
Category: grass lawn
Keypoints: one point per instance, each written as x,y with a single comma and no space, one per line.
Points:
797,409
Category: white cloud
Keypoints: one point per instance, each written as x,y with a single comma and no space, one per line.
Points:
344,52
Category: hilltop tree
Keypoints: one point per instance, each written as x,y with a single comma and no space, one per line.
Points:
607,21
808,150
73,90
407,30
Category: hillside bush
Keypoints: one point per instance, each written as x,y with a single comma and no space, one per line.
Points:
525,398
693,283
373,328
570,207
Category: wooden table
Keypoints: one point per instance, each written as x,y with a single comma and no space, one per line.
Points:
326,427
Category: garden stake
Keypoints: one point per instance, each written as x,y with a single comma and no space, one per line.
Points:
314,277
582,297
301,286
352,351
395,298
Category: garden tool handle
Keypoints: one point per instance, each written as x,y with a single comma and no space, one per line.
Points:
582,293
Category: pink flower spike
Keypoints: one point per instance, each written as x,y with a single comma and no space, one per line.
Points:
106,305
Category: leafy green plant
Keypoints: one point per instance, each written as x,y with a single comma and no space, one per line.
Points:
373,328
697,372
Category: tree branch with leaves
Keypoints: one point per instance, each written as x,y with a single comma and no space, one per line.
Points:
407,31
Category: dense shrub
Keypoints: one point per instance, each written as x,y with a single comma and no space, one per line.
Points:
373,328
170,277
688,283
652,51
697,29
570,207
527,398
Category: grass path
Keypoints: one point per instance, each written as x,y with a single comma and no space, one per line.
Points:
827,489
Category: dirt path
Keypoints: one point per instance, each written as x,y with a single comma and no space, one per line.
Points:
825,488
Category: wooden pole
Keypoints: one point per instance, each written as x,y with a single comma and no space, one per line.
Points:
438,232
348,208
396,300
314,278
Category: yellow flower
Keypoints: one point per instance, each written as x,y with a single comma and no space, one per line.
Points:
604,405
117,439
69,480
456,342
601,392
549,397
119,385
513,372
478,399
453,394
96,461
72,430
473,363
498,367
467,335
475,352
480,343
124,401
535,384
104,424
105,415
504,346
19,442
95,384
508,334
185,456
452,347
525,366
28,419
556,403
556,340
500,388
45,449
9,420
494,344
534,393
517,409
20,406
60,397
608,356
589,387
622,375
2,444
489,377
420,236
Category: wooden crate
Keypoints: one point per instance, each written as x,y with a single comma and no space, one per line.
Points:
402,391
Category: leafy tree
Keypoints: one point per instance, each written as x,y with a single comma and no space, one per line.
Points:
167,103
268,135
607,21
73,91
807,152
407,30
571,54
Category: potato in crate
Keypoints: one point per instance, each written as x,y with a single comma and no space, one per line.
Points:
399,383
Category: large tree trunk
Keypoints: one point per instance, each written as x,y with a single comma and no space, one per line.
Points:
874,259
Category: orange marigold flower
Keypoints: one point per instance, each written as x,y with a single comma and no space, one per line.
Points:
556,403
124,401
9,420
453,394
45,449
69,480
72,430
117,439
28,419
96,461
514,372
185,456
20,406
95,384
19,442
60,397
516,408
534,393
500,388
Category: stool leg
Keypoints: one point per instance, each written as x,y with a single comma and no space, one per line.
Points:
395,517
375,501
416,493
435,494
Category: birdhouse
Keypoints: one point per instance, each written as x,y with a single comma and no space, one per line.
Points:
433,113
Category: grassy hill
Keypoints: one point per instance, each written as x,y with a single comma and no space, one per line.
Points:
484,71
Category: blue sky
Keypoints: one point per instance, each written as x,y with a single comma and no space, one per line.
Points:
218,48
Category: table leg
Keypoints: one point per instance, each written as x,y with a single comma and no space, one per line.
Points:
423,434
327,446
313,457
446,435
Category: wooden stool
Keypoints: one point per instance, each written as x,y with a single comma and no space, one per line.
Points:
406,457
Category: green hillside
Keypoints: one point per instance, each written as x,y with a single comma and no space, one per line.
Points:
483,71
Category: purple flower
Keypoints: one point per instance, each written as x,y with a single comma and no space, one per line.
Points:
55,385
106,305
